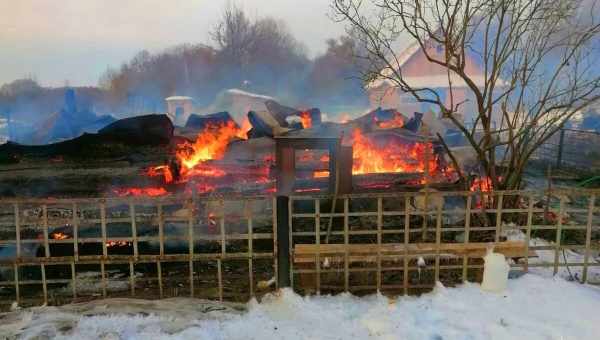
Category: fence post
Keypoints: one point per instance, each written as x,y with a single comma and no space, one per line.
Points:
283,242
560,148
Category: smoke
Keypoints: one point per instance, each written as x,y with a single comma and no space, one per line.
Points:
256,55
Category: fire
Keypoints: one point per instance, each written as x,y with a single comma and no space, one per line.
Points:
396,122
371,157
306,120
483,184
161,170
60,236
321,173
153,192
243,131
117,244
203,170
210,144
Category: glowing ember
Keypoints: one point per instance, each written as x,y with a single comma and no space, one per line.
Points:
371,157
306,120
396,122
60,236
483,184
321,173
117,244
203,170
161,170
153,192
203,188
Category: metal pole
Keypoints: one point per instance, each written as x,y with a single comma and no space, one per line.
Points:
283,242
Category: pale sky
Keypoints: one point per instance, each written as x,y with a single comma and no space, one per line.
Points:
76,40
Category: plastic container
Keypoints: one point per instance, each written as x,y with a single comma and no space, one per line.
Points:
495,272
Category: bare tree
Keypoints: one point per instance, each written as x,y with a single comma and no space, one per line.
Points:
537,58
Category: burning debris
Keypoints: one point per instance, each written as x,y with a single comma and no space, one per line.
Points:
228,153
387,150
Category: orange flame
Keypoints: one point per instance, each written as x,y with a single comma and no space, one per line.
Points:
306,120
321,173
396,122
211,143
161,170
60,236
483,184
371,157
243,131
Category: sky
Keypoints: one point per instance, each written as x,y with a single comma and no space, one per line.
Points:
74,41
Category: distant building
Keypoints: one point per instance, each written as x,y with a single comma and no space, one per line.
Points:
179,108
418,72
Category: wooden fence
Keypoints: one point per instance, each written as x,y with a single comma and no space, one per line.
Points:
416,247
182,247
396,243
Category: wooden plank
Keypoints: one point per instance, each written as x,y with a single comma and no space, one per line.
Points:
306,252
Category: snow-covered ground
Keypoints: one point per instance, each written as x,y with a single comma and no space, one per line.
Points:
533,307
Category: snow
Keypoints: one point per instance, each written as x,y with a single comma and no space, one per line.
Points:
172,98
547,256
533,307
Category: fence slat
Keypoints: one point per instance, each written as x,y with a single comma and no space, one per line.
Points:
17,229
45,226
220,279
588,237
250,247
44,283
74,279
467,231
559,233
318,242
346,242
16,279
133,229
103,227
438,241
379,235
161,230
499,206
191,244
75,231
406,242
528,232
